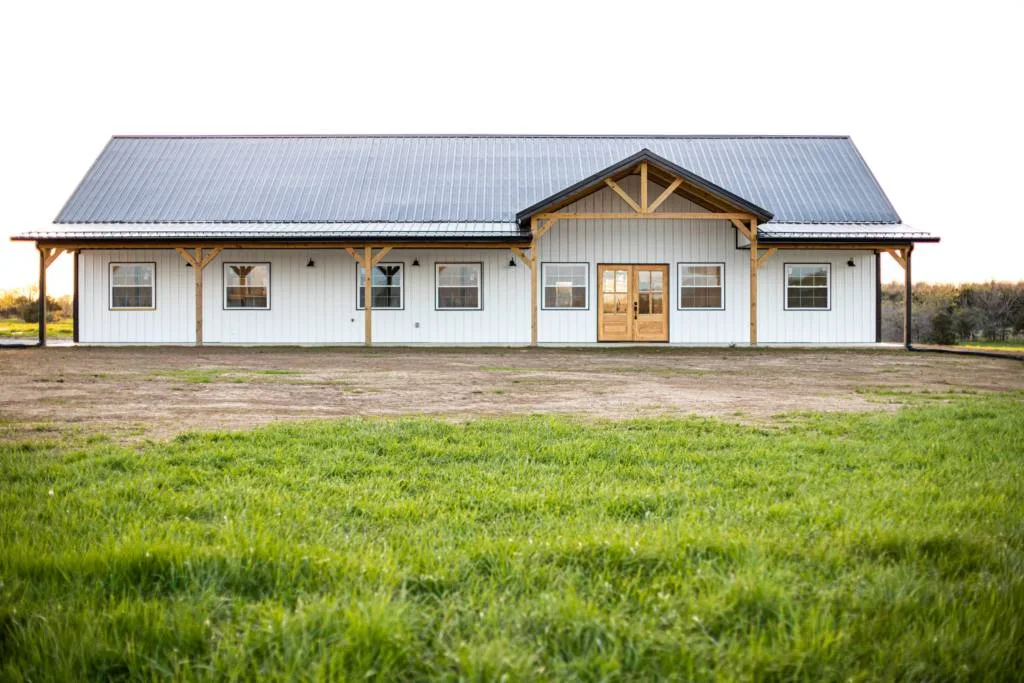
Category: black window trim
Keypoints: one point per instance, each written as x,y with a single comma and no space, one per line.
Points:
542,287
679,284
785,286
110,286
359,285
459,263
224,285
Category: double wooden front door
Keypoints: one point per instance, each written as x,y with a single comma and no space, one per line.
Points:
633,303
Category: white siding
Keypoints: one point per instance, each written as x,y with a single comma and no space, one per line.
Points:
318,305
650,242
851,318
307,305
173,319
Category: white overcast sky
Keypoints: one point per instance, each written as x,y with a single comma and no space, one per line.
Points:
931,92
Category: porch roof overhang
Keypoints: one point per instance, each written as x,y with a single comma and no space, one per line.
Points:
324,235
847,233
661,171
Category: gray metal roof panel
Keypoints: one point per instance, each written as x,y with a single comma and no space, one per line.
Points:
307,231
431,179
843,231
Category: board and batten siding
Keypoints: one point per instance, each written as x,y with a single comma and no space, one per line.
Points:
307,305
172,321
851,315
318,305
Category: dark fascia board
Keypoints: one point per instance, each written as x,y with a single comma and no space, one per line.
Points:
867,239
763,215
191,240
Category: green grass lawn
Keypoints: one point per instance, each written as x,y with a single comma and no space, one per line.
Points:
997,345
825,547
62,329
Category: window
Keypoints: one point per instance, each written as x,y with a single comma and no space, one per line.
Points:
565,285
247,285
132,286
807,286
386,286
458,286
701,285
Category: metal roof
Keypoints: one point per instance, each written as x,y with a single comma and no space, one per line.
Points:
276,231
878,232
448,179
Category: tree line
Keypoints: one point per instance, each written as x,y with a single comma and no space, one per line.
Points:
949,314
23,304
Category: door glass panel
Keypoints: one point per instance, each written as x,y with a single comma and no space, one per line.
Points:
643,279
657,281
622,281
608,281
657,303
645,303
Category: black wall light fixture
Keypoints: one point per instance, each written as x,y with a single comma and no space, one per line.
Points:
311,264
511,263
851,263
415,263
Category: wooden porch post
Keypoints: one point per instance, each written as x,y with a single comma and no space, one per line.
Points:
753,281
47,255
198,262
367,296
42,296
908,299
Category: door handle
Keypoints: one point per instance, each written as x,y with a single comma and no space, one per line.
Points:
636,308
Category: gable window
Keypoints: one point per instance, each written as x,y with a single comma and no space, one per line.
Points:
701,286
132,286
247,285
386,286
458,286
565,285
807,286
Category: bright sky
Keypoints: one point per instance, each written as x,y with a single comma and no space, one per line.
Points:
930,92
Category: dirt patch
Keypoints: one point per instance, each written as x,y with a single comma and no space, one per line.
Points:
160,391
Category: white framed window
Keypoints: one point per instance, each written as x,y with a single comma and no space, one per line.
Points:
458,286
132,286
247,286
386,285
565,285
702,286
808,286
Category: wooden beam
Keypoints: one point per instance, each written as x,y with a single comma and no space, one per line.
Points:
665,195
523,257
897,255
765,256
744,230
380,255
52,255
543,230
41,312
197,269
908,299
674,215
643,187
534,297
753,282
354,254
622,193
198,261
368,296
171,244
184,253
